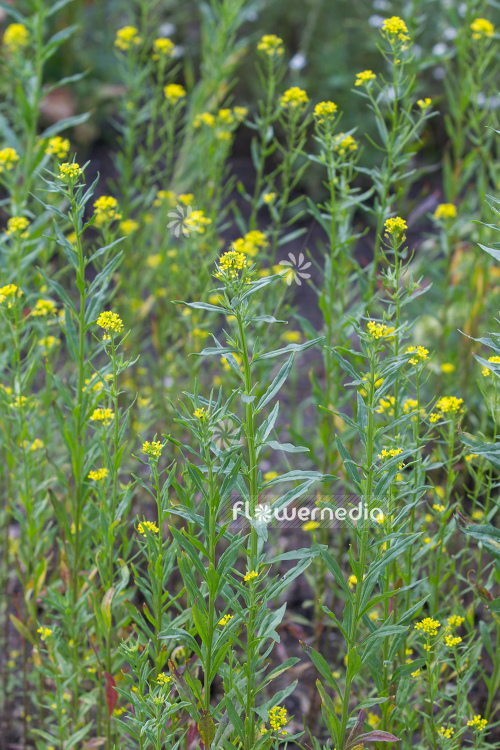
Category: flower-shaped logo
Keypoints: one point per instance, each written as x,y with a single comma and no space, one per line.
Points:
179,220
226,434
297,268
263,513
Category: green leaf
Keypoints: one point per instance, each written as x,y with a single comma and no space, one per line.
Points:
275,386
289,348
349,465
321,665
206,727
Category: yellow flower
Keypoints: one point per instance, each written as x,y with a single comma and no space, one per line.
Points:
278,718
482,27
452,641
478,722
294,97
240,113
200,413
378,330
364,77
129,226
230,264
16,36
102,415
448,367
291,337
97,474
445,211
110,322
478,515
251,243
37,444
416,673
345,144
153,449
224,620
205,118
174,92
69,171
454,621
446,733
58,146
310,526
325,111
395,227
250,576
391,453
269,198
149,525
48,342
8,293
428,625
448,404
44,307
386,405
18,225
196,221
352,581
105,210
270,475
419,355
8,157
424,103
271,45
186,198
494,360
438,507
154,261
163,679
44,633
127,37
395,26
163,47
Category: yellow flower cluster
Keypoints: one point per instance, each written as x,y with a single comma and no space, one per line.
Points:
424,103
446,405
294,97
149,525
230,264
419,354
439,508
396,227
446,733
35,445
251,243
44,307
44,633
110,321
174,92
105,210
18,225
163,47
478,722
396,27
452,641
278,718
352,581
364,77
345,144
428,625
378,330
163,679
8,293
102,415
494,360
97,474
250,576
481,27
386,404
153,449
454,621
391,453
200,413
129,226
445,211
58,147
16,36
8,157
69,171
127,37
310,526
47,342
196,222
325,111
271,45
224,620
